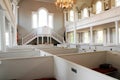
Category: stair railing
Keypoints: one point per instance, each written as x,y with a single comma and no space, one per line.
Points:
29,36
42,31
57,36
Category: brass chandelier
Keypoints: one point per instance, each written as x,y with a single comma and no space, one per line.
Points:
65,4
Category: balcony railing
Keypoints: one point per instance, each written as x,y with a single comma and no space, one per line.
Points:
97,19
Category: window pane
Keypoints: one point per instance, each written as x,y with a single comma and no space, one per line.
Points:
86,37
72,38
72,15
117,2
7,38
43,18
85,12
98,7
34,20
99,37
50,21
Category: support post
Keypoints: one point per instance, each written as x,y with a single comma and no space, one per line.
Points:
108,36
2,32
117,32
91,35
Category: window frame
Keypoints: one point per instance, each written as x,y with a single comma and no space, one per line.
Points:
97,5
85,12
38,19
71,16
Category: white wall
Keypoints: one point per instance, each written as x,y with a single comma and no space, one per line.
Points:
26,69
63,72
25,16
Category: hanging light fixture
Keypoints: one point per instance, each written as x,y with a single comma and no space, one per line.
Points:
65,4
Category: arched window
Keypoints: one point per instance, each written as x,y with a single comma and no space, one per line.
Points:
85,12
71,15
43,17
98,7
117,2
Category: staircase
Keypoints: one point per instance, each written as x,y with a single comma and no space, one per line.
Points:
42,32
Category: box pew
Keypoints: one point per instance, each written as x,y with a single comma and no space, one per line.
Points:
58,51
20,49
20,54
67,70
27,68
114,59
89,59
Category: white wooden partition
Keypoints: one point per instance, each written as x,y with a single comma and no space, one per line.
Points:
20,54
90,60
27,68
66,70
114,59
59,51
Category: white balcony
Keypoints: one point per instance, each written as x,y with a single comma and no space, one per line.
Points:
98,19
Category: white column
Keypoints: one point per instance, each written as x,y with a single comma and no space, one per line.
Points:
80,37
108,36
15,36
91,35
37,40
42,39
16,14
104,36
47,39
10,35
117,32
75,40
50,40
75,33
2,28
65,17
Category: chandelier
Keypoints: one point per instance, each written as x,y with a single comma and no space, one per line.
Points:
65,4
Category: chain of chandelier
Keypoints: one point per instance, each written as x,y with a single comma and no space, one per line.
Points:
65,4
